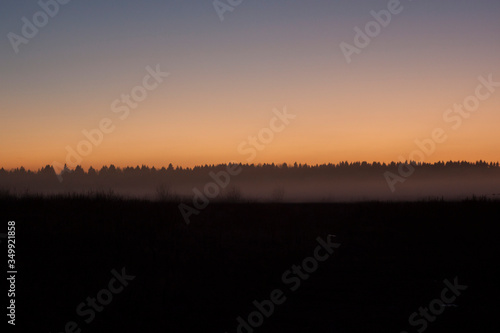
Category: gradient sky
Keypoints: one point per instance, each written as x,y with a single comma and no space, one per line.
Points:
227,77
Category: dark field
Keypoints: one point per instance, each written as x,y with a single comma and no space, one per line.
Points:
392,260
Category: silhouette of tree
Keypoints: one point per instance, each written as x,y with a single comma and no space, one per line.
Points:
48,170
79,171
92,172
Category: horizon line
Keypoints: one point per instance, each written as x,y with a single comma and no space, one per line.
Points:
275,164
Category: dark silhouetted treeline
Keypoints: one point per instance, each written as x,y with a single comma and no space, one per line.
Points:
358,180
296,168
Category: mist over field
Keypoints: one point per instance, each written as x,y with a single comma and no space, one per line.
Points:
276,183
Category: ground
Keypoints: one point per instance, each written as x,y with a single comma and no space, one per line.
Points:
392,259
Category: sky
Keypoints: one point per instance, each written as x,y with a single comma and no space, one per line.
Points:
228,79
